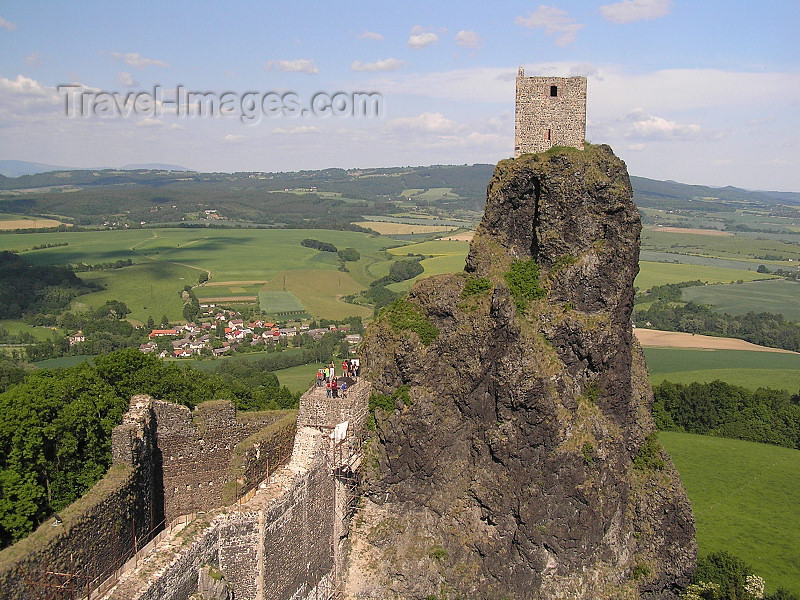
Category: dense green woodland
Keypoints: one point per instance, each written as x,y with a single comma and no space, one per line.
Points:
55,426
719,408
28,288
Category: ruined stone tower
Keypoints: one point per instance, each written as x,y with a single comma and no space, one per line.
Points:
550,111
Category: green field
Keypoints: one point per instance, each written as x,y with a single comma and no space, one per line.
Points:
165,260
746,500
40,333
739,247
448,257
776,296
658,273
738,367
279,302
299,379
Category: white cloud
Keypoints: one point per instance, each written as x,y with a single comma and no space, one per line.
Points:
125,79
233,139
33,60
421,37
137,61
554,20
301,65
644,126
427,121
388,64
635,10
24,98
371,35
156,123
468,39
300,130
7,25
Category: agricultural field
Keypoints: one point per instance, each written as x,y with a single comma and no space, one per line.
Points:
740,246
747,368
430,195
778,296
320,292
247,261
17,327
448,257
389,228
745,499
657,273
278,302
10,222
299,379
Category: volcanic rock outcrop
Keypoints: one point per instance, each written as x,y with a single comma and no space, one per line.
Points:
513,453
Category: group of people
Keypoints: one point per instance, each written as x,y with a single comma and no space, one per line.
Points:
326,377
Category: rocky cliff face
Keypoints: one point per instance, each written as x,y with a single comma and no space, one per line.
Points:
513,456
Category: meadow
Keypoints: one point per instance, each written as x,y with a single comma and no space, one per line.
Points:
739,247
738,367
781,296
247,261
658,273
745,499
443,257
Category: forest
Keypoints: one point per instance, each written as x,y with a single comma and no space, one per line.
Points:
55,425
718,408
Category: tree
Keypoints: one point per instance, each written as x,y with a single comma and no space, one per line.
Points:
728,572
164,320
150,322
202,278
349,254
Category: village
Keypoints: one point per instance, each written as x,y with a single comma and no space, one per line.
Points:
222,331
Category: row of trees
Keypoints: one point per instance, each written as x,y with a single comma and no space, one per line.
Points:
765,329
318,245
719,408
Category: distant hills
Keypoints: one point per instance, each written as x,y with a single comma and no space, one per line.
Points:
17,168
649,190
152,194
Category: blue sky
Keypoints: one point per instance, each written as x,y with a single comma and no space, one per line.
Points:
695,91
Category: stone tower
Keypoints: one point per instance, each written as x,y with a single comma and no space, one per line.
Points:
550,111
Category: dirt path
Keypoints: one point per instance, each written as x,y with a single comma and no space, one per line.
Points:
675,339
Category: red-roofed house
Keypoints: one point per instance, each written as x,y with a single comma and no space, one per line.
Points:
162,332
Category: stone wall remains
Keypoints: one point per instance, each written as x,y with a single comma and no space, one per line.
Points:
211,455
283,543
195,450
550,111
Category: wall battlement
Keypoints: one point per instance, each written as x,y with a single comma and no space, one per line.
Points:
550,111
285,542
166,461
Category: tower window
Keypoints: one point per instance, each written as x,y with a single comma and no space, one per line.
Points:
548,135
553,91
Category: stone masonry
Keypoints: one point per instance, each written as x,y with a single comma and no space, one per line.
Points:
167,461
550,111
285,542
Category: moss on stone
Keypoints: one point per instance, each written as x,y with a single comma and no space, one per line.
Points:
404,316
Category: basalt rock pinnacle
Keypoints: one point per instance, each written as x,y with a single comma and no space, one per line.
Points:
513,455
